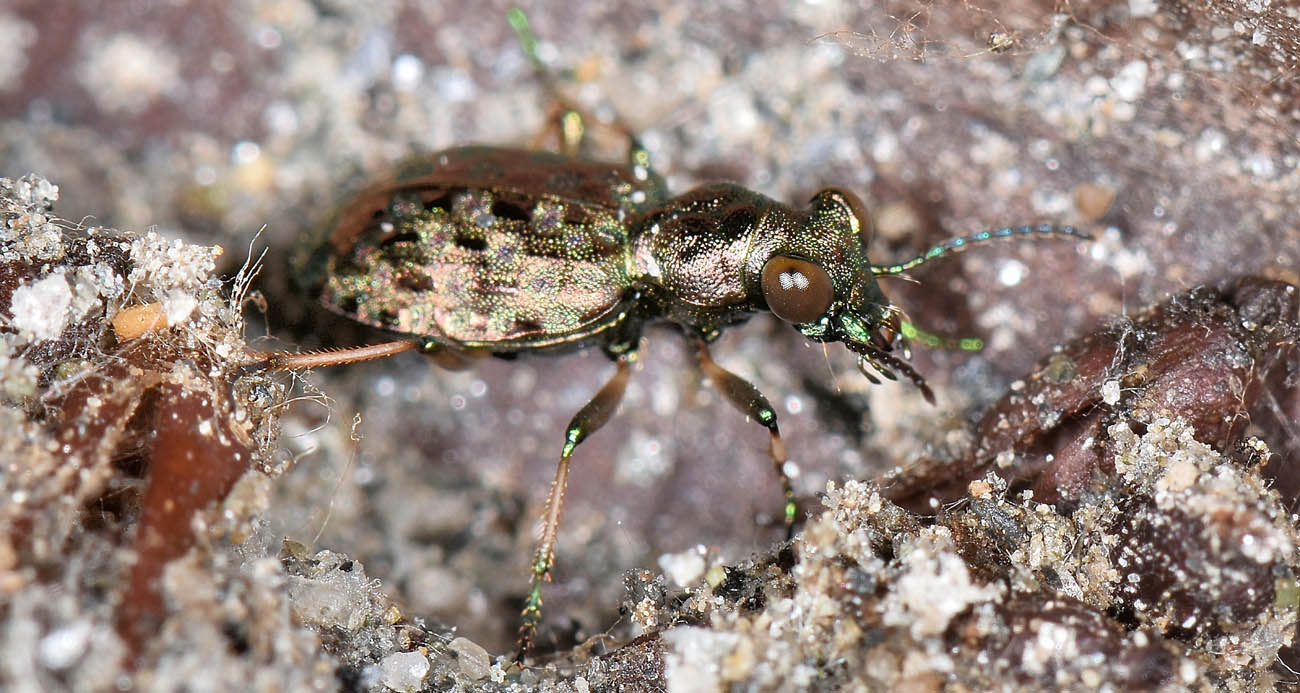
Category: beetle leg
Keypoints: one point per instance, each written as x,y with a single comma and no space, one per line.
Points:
450,359
276,361
587,421
567,124
749,400
567,116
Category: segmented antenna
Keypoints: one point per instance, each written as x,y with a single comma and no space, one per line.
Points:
963,242
912,333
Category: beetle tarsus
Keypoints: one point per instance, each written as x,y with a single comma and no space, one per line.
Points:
276,361
588,420
752,403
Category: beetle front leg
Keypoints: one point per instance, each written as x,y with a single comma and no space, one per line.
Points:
749,400
587,421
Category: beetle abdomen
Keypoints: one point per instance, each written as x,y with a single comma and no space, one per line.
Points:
469,266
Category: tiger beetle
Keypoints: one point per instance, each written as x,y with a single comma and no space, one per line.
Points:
492,251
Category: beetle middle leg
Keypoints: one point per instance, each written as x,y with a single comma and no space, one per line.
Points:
749,400
587,421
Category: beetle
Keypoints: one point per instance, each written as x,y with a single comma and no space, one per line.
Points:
482,250
488,250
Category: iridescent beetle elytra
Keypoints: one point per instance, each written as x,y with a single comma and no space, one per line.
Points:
482,250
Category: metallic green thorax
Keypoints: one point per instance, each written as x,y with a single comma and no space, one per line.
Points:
705,251
508,250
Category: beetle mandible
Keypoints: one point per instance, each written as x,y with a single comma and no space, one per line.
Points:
485,250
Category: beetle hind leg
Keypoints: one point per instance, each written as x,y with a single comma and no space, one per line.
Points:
568,121
749,400
587,421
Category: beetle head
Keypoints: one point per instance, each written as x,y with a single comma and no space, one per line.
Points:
820,280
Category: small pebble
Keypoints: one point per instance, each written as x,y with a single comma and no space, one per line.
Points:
403,671
684,568
474,660
63,647
1110,392
1093,200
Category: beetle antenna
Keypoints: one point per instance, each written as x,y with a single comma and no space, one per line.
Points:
912,333
962,242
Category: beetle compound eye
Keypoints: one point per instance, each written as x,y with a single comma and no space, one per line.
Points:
797,291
